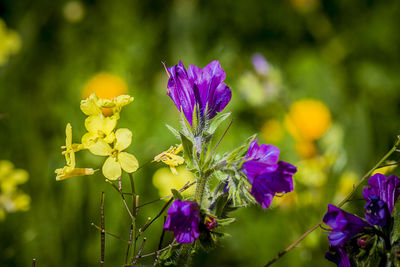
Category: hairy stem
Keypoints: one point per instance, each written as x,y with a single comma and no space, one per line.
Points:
200,187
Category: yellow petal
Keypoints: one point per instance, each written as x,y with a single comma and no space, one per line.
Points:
94,124
128,162
90,107
109,124
68,134
88,139
100,148
111,169
109,138
124,138
123,100
67,172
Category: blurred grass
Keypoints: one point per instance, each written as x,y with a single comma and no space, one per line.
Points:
344,53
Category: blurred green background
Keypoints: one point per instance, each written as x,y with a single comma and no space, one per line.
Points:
341,56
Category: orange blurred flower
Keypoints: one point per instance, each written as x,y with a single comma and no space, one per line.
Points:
105,85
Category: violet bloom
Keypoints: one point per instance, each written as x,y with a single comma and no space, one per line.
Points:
266,185
381,196
259,159
183,220
344,225
339,256
198,90
376,211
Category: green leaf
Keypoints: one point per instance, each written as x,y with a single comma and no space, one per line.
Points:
225,222
177,194
395,238
220,205
216,122
187,150
173,131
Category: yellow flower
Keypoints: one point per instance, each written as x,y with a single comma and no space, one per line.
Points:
164,181
69,170
106,86
272,131
93,105
100,127
10,42
116,158
308,119
171,158
11,198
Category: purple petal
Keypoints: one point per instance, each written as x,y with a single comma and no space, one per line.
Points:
267,185
180,89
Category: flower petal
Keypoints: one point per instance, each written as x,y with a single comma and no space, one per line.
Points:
111,169
128,162
94,124
124,139
100,148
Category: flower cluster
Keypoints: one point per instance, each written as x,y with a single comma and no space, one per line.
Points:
12,199
200,94
102,139
381,195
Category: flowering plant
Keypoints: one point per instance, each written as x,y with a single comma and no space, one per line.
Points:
251,173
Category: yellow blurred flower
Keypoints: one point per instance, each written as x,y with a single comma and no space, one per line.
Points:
10,42
312,172
116,158
305,6
11,197
308,119
107,86
171,158
69,170
306,149
73,11
272,131
345,185
164,181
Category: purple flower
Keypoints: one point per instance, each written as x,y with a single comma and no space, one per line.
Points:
376,211
260,158
339,256
183,220
266,185
381,196
260,64
198,90
344,225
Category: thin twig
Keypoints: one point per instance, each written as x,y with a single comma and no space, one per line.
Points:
33,262
108,233
102,233
158,251
140,251
186,186
341,203
141,230
156,258
129,244
122,196
220,140
162,235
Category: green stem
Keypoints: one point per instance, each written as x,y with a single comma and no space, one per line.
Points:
200,186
